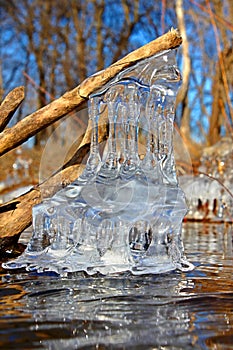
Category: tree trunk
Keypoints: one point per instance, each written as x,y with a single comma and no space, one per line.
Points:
182,94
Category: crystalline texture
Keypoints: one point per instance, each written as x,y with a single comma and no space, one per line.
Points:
209,194
124,213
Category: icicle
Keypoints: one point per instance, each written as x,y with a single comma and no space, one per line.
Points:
124,213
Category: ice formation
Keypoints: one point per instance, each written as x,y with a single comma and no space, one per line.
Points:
124,213
209,194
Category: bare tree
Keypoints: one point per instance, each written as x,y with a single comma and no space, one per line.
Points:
222,85
206,113
59,46
183,92
66,43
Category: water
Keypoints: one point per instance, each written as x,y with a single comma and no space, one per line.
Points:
124,213
175,310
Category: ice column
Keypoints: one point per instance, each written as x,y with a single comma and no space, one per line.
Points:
124,213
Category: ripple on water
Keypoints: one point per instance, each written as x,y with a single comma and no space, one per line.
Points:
191,310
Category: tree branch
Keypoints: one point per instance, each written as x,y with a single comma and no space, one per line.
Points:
16,215
9,106
75,98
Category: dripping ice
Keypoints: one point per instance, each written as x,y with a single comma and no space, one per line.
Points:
125,212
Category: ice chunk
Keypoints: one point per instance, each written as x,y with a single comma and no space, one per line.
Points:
124,213
209,194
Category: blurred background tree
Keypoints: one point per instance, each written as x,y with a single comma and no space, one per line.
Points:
50,47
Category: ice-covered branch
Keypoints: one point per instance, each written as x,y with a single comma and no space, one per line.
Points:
71,100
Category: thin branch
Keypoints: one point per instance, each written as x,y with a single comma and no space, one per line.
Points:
163,15
36,86
9,105
190,168
185,49
221,20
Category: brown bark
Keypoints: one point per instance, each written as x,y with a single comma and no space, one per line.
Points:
170,40
129,24
99,10
182,96
220,93
215,120
73,99
80,39
9,106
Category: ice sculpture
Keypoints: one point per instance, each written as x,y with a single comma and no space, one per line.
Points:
124,213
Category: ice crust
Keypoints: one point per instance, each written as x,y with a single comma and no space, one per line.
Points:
125,212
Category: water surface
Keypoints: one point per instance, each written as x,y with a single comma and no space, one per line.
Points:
169,311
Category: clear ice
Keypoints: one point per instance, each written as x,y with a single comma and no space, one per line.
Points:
209,194
125,212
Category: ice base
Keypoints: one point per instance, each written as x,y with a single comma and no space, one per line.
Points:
132,231
209,194
125,212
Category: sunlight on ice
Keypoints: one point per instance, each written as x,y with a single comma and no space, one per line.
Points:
124,213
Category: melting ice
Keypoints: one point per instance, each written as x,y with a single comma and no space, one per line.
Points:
124,213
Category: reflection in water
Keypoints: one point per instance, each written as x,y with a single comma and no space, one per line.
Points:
169,311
